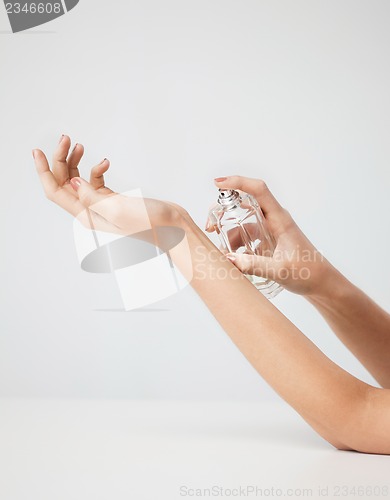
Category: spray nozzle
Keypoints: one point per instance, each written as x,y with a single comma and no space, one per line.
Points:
227,196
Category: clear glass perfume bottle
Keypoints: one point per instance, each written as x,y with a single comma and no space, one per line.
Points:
241,227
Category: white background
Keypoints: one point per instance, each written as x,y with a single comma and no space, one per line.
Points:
175,93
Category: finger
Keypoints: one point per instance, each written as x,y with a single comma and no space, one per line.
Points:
53,190
48,181
96,201
255,187
74,160
60,166
256,265
209,227
97,174
86,193
210,224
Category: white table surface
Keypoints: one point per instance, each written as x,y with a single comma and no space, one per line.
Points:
93,449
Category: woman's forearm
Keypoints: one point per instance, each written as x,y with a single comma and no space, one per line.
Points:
325,395
344,410
360,324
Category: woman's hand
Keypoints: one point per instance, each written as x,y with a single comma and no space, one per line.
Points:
296,264
94,204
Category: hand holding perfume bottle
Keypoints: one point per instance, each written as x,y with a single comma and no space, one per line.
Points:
242,229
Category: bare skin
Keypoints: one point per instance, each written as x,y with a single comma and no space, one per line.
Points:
347,412
360,324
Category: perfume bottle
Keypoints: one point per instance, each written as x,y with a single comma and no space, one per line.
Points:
241,227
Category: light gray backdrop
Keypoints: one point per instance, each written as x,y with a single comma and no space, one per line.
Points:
177,92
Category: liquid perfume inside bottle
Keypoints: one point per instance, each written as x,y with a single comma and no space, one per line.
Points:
241,227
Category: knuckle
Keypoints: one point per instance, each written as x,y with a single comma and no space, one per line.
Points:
261,186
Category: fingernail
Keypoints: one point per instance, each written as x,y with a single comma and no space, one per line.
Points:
62,136
220,179
75,146
231,257
105,159
75,183
33,153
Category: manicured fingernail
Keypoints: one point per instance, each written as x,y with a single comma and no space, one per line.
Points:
105,159
75,183
61,138
231,257
220,179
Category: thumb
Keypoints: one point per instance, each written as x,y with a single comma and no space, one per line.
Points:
87,194
209,227
102,204
265,267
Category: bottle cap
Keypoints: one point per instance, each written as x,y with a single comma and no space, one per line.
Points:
228,197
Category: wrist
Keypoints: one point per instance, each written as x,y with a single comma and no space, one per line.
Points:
182,219
332,286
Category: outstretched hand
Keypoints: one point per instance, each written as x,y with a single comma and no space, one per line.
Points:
94,204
